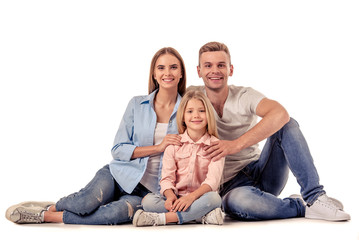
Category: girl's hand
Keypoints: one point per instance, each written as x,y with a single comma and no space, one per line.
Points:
169,204
183,203
169,139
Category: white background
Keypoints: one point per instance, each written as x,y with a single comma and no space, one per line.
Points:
69,68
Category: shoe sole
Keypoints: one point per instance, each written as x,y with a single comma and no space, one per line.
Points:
318,217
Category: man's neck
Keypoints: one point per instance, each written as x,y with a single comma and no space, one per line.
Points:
218,98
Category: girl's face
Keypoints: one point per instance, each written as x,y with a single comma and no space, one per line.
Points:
167,71
195,116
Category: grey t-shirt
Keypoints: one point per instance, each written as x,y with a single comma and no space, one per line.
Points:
239,115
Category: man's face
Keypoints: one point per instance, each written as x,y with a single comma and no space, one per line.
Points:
215,69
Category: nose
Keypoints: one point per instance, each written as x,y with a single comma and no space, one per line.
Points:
214,69
167,72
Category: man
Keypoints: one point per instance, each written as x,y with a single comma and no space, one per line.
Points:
252,179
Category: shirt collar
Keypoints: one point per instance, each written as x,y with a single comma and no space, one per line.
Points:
150,98
205,139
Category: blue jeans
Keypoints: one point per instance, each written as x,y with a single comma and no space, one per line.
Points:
252,194
101,202
200,207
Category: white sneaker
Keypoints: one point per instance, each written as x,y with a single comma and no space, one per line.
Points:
26,215
324,208
26,205
336,202
215,216
143,218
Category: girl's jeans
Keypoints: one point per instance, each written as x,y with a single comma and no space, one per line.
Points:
203,205
101,202
251,195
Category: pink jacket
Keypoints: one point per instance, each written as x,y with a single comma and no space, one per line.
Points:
185,168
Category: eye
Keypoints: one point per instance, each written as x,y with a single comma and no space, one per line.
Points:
202,110
221,65
207,65
160,67
174,67
189,111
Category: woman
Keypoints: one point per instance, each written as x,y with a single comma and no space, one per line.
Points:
147,128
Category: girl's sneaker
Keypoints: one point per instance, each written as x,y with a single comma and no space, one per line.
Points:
215,216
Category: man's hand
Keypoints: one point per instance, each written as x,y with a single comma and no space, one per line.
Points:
220,149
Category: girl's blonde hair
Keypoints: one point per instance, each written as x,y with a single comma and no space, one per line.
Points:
211,121
152,83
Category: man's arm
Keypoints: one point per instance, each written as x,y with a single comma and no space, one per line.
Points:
274,117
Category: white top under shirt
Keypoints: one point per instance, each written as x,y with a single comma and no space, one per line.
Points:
239,115
150,177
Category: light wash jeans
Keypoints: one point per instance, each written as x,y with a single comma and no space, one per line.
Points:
101,202
200,207
252,194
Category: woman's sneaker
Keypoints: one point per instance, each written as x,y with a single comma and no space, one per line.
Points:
22,215
215,216
14,212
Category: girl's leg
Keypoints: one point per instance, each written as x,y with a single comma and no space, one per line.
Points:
154,203
199,208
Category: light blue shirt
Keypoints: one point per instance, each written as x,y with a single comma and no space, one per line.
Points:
136,130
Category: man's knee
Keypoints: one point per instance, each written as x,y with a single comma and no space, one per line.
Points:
239,198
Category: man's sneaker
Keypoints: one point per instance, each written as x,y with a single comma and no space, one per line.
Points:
26,215
30,204
143,218
215,216
336,202
324,208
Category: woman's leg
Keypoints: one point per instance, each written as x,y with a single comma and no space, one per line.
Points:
99,191
113,213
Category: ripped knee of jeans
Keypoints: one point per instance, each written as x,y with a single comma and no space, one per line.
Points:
130,209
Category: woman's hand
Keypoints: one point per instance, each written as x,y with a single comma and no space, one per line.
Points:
169,139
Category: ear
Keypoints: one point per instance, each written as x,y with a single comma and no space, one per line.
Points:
231,70
199,71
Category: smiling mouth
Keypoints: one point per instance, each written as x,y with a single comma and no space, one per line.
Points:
168,79
197,121
215,78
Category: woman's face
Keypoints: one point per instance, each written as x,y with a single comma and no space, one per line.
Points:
167,71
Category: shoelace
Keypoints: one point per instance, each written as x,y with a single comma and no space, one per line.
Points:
151,219
29,217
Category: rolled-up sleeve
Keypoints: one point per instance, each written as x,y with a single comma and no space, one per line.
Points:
214,174
169,168
123,144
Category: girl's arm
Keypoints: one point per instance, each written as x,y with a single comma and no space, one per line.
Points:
170,199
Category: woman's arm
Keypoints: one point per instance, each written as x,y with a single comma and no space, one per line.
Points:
169,139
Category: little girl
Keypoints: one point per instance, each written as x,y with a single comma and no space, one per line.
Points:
189,178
